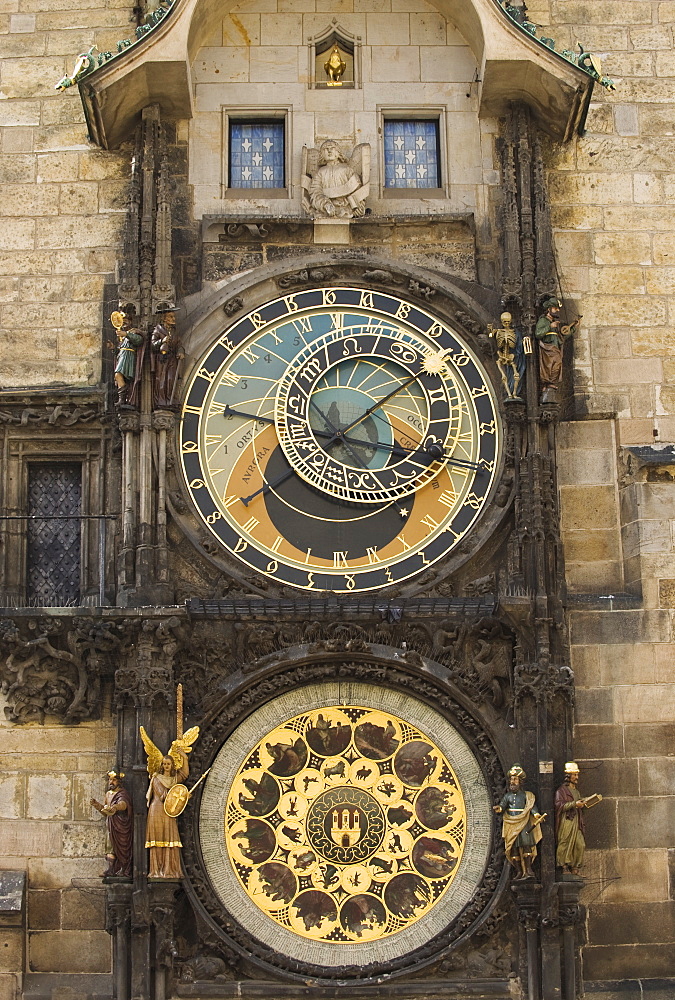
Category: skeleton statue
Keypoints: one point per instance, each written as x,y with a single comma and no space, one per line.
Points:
334,186
510,355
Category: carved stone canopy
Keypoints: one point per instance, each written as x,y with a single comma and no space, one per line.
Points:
156,69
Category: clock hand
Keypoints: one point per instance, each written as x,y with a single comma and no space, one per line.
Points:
381,402
229,412
267,487
435,451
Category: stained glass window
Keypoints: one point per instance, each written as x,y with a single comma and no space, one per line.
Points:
256,154
53,535
411,156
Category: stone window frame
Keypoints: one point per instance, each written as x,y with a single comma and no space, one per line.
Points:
415,113
251,114
349,40
21,451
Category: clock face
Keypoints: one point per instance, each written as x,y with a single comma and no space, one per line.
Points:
339,440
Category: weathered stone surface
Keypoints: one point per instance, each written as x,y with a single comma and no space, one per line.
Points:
83,840
645,703
588,627
605,740
57,872
11,949
30,839
12,791
69,951
588,507
618,962
83,909
44,909
617,923
49,796
657,774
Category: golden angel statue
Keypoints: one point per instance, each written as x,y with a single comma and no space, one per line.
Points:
334,186
166,772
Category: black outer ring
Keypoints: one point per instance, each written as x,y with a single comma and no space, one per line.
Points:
428,684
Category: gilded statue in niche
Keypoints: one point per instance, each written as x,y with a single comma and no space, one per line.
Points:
335,186
334,67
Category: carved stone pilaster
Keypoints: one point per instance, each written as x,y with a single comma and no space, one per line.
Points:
528,903
118,925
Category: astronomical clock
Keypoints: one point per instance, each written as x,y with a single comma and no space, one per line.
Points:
339,440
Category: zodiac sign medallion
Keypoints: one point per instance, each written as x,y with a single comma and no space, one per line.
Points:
345,824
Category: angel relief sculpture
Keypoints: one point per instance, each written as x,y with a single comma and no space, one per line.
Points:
166,798
334,186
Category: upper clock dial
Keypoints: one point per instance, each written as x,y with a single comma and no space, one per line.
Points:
340,440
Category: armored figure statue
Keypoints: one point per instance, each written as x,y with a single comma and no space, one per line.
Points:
510,355
569,821
521,828
118,811
161,831
551,337
334,186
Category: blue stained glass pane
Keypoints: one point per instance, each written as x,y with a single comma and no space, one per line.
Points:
257,154
411,158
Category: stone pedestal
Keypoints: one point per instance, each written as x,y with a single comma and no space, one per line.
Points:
332,231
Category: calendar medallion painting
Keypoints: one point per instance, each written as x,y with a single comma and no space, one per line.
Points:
343,824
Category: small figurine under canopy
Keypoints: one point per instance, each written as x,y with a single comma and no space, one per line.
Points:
129,359
167,354
521,821
551,337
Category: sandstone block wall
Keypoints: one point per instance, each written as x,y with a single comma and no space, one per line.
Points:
613,195
61,199
49,830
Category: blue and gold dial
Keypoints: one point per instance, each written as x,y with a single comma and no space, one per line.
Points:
339,440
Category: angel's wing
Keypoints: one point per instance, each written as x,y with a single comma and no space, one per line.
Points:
359,161
183,745
155,755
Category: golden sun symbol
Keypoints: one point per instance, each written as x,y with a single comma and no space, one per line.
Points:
433,363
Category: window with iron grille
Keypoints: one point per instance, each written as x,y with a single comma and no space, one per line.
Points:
53,543
257,153
411,153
